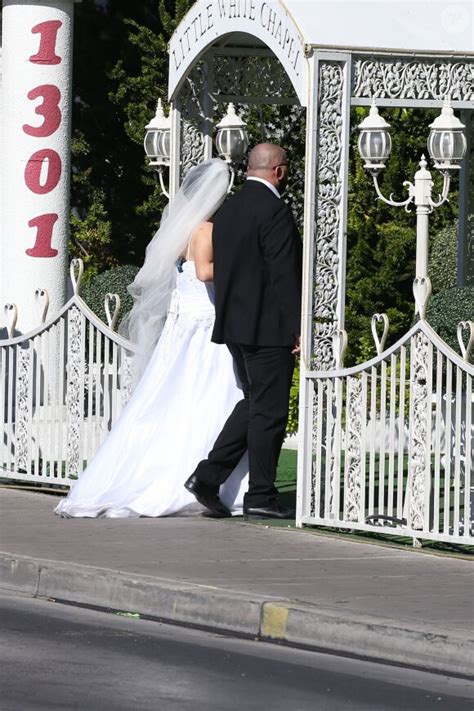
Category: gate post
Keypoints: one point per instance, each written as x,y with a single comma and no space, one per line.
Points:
35,162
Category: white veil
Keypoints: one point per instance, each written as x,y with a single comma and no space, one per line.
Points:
201,194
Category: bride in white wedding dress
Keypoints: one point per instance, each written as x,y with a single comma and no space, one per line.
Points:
186,384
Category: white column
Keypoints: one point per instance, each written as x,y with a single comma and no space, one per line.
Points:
35,153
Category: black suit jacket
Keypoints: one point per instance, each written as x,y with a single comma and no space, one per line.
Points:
257,269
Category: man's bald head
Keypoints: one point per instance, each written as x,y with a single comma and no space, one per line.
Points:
264,156
268,161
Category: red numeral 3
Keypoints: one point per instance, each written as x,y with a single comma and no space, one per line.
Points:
49,109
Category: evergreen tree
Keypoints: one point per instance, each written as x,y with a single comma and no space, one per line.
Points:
381,240
120,70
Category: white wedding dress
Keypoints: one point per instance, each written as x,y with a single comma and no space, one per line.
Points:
171,422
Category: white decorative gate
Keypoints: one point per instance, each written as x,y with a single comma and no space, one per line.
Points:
388,443
393,439
62,387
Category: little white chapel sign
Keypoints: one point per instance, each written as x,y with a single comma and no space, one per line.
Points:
265,19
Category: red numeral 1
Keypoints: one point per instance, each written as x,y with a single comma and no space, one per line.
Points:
47,49
44,235
34,168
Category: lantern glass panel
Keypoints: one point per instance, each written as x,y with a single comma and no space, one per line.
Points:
150,143
164,144
236,144
232,143
447,145
376,145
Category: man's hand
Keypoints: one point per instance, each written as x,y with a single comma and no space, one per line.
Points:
297,348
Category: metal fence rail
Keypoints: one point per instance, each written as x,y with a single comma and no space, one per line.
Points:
62,387
393,442
387,443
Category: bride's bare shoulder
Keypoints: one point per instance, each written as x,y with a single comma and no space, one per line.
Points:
203,230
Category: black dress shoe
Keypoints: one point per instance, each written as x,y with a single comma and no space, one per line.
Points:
270,511
208,496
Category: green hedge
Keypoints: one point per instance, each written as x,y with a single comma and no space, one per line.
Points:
293,414
443,268
114,281
447,309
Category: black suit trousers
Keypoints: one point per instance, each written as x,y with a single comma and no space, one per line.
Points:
257,422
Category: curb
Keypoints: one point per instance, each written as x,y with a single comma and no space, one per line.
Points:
271,620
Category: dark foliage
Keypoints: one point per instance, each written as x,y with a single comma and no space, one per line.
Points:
447,309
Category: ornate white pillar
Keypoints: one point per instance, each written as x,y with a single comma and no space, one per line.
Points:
35,152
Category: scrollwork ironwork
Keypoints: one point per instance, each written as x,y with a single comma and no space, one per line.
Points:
353,463
22,436
73,393
193,118
329,197
420,460
261,77
323,346
126,378
382,78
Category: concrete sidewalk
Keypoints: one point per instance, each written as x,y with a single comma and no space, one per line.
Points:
386,604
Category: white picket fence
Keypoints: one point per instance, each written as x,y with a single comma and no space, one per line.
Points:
392,442
62,387
389,443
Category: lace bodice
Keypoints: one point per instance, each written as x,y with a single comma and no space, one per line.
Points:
191,293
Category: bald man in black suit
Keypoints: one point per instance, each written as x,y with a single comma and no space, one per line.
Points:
257,255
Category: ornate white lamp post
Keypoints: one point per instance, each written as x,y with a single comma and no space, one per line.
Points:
447,147
231,140
157,143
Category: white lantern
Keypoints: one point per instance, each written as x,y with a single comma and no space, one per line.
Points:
374,142
157,141
447,143
231,140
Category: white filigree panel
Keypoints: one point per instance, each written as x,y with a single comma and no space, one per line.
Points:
398,78
22,436
74,400
329,197
420,427
255,77
193,119
126,381
353,462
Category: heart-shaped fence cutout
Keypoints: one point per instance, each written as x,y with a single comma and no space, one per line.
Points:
42,303
422,292
11,316
466,346
339,341
380,340
76,271
112,318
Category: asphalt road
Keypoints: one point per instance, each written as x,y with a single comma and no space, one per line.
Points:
60,657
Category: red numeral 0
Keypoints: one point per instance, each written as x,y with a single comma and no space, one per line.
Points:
49,33
34,168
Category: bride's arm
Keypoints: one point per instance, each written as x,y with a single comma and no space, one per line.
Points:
201,241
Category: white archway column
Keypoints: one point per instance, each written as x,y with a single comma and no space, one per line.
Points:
35,155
